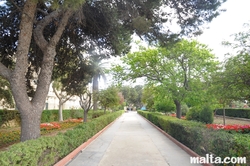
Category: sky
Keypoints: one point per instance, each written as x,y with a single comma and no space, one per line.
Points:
226,24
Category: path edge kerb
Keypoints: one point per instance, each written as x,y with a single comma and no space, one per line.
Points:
182,146
75,152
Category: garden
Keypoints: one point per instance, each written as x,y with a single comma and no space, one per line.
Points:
10,124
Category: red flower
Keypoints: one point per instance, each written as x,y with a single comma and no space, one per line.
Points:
235,127
49,126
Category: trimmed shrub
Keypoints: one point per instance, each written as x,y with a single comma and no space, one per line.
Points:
52,115
184,109
96,114
206,115
7,115
193,114
240,113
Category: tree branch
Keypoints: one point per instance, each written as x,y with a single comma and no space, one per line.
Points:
63,22
38,31
42,11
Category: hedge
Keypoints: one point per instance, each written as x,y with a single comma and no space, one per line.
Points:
201,140
47,115
7,115
240,113
46,151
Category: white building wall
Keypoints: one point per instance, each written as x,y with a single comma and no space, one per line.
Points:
52,102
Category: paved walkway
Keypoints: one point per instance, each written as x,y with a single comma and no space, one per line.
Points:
131,141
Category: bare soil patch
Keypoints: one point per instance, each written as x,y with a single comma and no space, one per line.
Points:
229,121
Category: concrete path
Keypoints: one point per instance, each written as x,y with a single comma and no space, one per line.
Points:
131,141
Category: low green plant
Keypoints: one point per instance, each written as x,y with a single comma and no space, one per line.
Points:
193,114
202,114
206,115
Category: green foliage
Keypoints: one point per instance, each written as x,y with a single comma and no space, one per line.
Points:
201,140
148,97
109,98
240,113
164,105
132,95
8,115
52,115
232,82
193,114
242,146
206,114
6,98
184,109
201,114
49,150
96,114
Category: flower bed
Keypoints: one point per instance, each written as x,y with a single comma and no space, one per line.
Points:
235,127
59,125
10,137
79,120
50,126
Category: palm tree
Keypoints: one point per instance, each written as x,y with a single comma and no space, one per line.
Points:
99,72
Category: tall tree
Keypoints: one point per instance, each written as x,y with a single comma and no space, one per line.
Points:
177,68
85,103
31,30
109,98
236,67
31,110
99,72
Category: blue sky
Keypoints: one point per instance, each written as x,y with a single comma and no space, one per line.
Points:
226,24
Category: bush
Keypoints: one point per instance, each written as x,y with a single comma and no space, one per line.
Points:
96,114
184,109
52,115
206,115
7,115
193,114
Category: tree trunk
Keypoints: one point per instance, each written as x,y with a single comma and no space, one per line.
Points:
60,111
85,116
178,108
95,92
224,114
30,113
30,124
